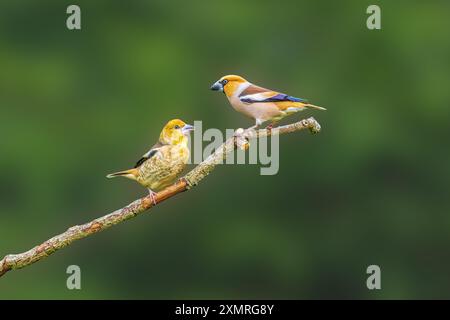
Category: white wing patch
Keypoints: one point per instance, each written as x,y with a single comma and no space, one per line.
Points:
256,97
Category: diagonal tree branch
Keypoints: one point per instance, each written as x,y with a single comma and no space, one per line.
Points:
240,140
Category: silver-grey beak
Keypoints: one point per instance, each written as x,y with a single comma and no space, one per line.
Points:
217,86
187,128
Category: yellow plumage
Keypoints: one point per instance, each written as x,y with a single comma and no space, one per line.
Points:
163,163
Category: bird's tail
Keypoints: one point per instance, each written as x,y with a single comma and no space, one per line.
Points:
130,174
311,106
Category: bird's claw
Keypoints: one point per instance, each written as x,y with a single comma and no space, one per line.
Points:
269,127
153,197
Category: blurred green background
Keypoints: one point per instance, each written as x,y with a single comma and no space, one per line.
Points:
372,188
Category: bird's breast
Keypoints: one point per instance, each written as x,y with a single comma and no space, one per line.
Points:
237,104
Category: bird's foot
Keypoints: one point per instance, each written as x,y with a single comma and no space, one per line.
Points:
270,127
152,196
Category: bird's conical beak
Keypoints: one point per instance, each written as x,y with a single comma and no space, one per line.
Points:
187,128
217,86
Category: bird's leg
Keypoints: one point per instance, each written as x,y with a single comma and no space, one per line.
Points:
152,196
257,124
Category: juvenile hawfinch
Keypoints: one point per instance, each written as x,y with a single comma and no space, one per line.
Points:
163,163
259,103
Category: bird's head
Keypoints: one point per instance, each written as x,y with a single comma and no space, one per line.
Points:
228,84
175,132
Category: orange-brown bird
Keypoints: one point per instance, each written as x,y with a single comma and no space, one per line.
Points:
259,103
163,163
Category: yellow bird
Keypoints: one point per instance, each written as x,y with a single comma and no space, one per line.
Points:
259,103
162,164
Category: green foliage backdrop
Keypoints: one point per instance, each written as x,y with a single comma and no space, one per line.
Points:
372,188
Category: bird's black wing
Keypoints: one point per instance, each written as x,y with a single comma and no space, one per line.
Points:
149,154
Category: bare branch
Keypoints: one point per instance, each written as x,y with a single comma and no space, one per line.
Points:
240,139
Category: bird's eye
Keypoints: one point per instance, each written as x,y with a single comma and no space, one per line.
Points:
177,127
224,81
